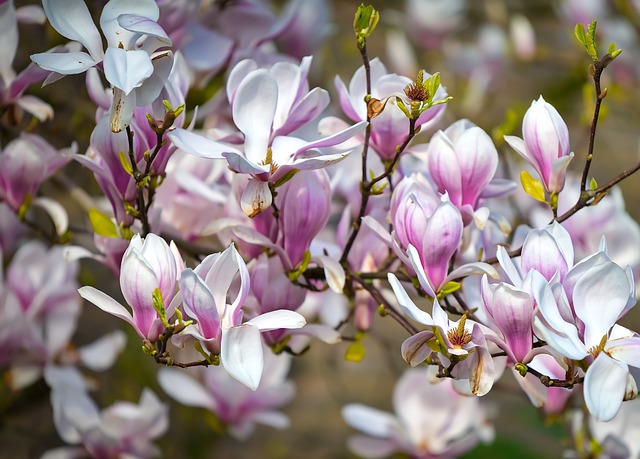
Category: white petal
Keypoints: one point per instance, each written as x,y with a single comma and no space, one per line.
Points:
71,18
64,63
254,107
57,213
184,389
122,108
100,355
241,354
256,197
407,305
198,145
107,304
275,320
369,420
31,104
333,272
127,69
604,387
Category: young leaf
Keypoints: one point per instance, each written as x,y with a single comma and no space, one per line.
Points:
102,225
533,187
591,40
355,352
580,35
126,165
593,184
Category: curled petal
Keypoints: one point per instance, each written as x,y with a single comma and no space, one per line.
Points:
241,354
604,387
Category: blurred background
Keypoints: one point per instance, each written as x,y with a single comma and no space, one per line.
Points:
495,57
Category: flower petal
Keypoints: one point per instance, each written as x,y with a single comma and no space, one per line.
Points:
64,63
108,305
127,69
241,354
71,18
184,389
604,387
274,320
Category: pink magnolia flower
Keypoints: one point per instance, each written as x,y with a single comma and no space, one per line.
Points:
268,105
548,250
546,144
220,327
25,164
433,226
12,86
136,61
148,265
571,319
462,162
509,311
463,341
304,203
238,407
431,420
124,429
391,127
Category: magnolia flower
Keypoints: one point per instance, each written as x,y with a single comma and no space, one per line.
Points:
431,420
510,314
238,407
135,61
124,429
546,144
268,105
548,250
148,275
462,161
390,128
25,164
571,319
462,342
220,327
12,86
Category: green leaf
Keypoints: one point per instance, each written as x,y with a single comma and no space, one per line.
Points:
449,288
533,187
580,35
126,165
616,53
365,22
403,107
612,48
434,84
593,184
102,225
355,352
285,178
158,305
591,40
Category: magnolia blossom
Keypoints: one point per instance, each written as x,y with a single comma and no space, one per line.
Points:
390,128
234,404
431,420
268,105
124,429
148,274
135,62
12,86
25,164
220,327
546,144
571,319
462,342
462,162
618,438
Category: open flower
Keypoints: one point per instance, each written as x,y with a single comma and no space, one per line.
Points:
431,420
220,327
135,62
269,153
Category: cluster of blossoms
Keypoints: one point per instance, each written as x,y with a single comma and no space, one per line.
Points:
234,226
